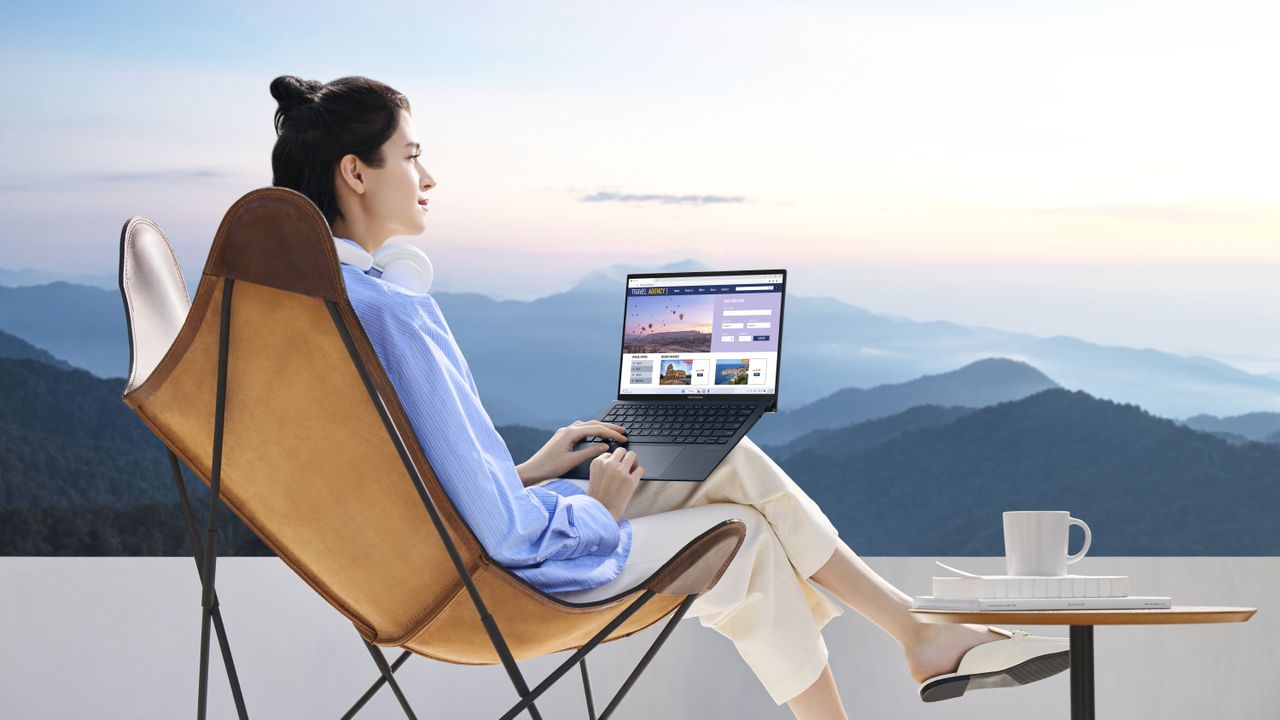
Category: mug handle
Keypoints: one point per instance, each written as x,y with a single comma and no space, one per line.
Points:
1088,537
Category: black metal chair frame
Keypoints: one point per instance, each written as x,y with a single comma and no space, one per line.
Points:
206,557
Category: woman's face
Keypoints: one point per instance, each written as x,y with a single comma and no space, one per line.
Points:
393,198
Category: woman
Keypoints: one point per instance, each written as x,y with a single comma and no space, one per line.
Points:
351,146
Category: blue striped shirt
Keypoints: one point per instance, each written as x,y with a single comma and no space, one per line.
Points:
554,536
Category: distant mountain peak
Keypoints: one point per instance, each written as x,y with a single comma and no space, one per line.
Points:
610,279
981,383
1003,368
997,371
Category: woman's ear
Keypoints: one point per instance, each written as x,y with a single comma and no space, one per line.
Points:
349,172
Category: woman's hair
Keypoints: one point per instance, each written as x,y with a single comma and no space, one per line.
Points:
319,123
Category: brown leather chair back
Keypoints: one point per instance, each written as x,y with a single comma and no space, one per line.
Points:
307,462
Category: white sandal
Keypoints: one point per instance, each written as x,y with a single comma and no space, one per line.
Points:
1019,660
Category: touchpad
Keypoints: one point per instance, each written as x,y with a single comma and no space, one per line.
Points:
655,458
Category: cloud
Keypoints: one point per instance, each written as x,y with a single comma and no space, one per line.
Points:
605,196
184,174
118,178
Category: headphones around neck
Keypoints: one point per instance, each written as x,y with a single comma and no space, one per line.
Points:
404,265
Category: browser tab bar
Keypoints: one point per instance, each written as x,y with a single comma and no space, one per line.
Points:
726,281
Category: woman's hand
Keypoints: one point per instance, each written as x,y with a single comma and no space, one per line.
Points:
558,457
614,478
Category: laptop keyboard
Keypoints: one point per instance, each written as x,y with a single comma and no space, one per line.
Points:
678,423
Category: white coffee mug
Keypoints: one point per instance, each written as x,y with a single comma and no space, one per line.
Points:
1035,542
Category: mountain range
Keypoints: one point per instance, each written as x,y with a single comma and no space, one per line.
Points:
14,347
1259,427
66,440
828,345
1145,485
82,325
867,434
982,383
79,474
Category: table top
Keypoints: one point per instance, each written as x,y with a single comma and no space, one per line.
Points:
1178,614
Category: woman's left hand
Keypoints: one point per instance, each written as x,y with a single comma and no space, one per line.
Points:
558,456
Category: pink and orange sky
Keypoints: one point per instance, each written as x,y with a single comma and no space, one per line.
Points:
1099,169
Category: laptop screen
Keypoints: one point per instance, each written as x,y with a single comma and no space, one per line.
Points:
702,333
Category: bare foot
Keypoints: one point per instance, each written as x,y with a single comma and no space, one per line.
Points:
938,648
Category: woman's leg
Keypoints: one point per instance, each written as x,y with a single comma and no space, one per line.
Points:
820,702
930,649
773,615
811,543
749,476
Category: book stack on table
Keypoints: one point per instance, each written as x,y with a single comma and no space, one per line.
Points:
1034,592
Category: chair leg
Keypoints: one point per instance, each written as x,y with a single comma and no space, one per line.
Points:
528,698
375,687
381,661
508,660
209,552
586,689
644,661
197,548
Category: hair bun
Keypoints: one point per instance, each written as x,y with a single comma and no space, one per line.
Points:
291,91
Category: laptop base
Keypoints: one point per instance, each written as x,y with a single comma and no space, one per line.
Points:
662,461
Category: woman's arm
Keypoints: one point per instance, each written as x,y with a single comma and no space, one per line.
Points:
558,456
518,525
522,470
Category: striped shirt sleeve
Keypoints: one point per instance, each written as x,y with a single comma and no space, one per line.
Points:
518,526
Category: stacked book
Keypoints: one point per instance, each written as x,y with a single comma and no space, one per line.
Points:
1034,592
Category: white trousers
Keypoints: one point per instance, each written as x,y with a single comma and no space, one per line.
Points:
764,602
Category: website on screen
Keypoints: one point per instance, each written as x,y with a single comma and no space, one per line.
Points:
702,335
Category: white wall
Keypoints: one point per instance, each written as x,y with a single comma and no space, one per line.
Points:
119,638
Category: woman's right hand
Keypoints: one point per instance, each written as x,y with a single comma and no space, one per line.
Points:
614,478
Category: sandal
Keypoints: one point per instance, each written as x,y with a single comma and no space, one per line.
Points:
1019,660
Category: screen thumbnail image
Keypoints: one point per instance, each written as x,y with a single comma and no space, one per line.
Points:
668,324
675,372
733,372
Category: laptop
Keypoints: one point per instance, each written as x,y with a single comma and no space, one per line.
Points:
698,367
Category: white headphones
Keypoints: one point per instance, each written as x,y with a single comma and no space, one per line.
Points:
404,265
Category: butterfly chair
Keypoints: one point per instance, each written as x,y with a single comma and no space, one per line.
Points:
267,387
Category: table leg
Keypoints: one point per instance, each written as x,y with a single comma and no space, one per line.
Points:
1081,672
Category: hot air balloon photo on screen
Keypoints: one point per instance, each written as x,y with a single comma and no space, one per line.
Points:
668,324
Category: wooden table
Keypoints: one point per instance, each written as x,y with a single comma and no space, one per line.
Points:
1082,622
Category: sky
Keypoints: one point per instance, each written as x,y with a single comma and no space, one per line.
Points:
1105,170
